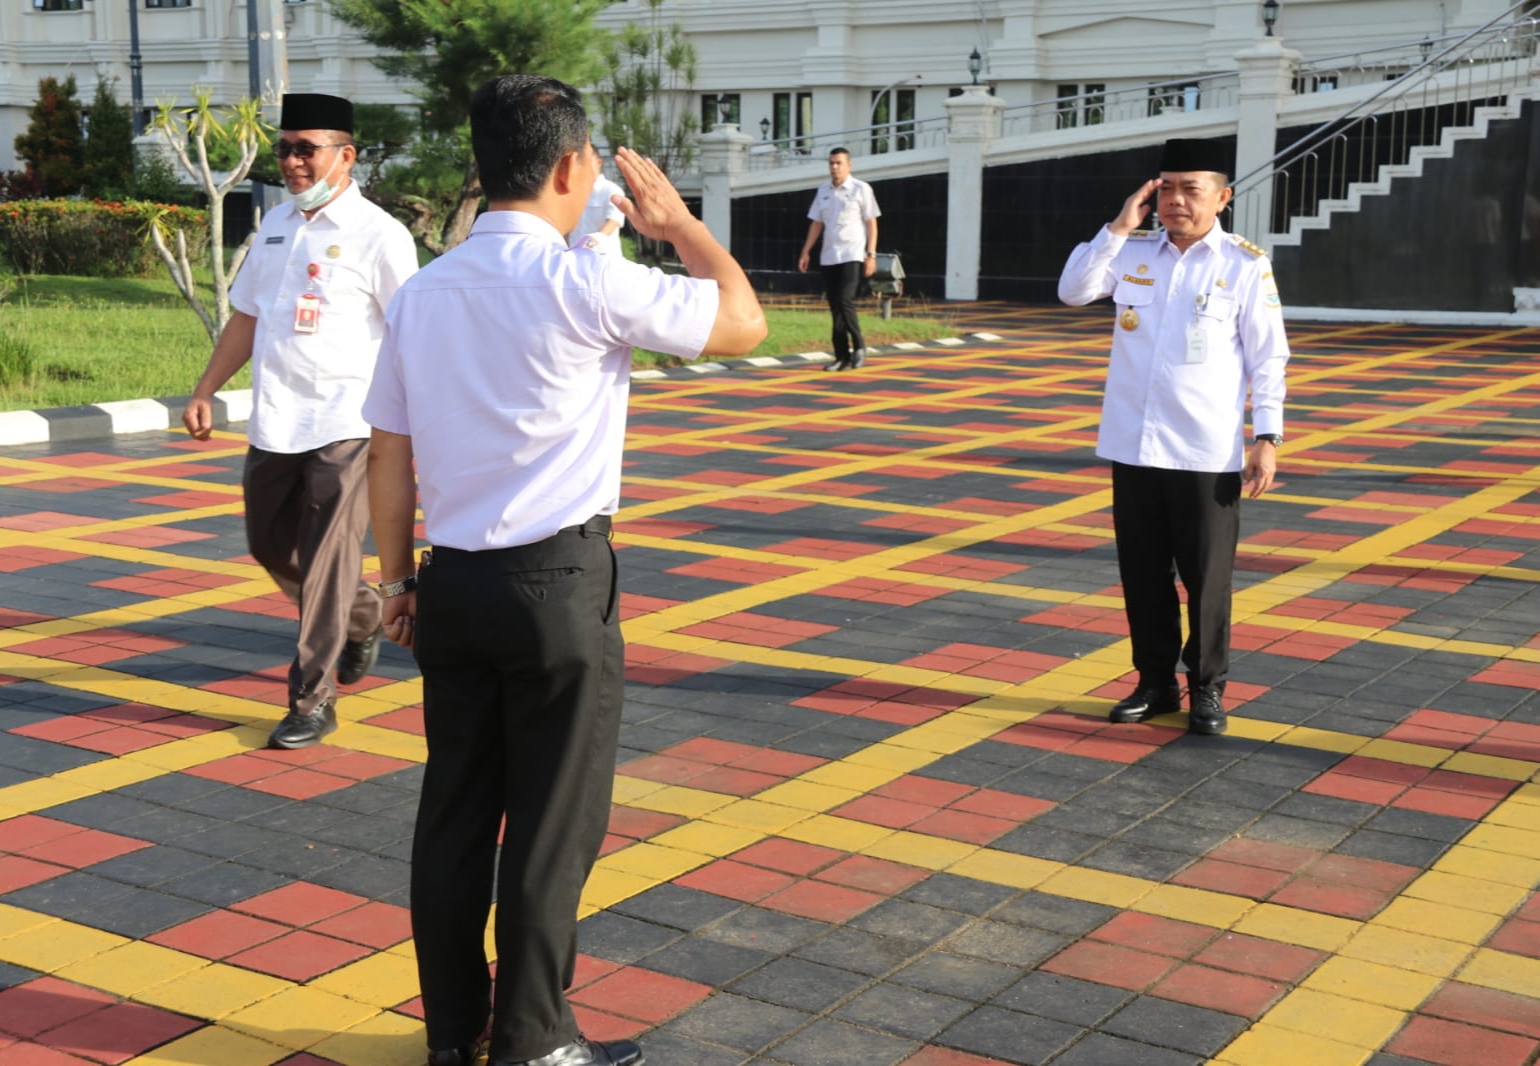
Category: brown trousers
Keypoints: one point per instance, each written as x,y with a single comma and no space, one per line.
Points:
306,515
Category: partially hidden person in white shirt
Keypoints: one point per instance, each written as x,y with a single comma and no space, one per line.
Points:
504,377
1198,333
844,214
308,314
602,218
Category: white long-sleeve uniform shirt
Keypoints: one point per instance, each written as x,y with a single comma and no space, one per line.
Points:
1174,401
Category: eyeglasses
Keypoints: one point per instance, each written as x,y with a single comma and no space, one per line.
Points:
303,149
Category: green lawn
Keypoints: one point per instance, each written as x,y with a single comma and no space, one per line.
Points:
69,340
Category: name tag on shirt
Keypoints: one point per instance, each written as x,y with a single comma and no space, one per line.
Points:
307,313
274,240
1197,343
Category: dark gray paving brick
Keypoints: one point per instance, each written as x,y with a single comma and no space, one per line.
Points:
904,1011
1280,829
958,976
1007,1035
865,953
1064,999
828,1041
1175,1025
738,1022
151,866
1098,1049
11,976
224,884
620,939
909,921
1055,913
800,984
678,907
141,913
706,961
958,894
1002,942
765,930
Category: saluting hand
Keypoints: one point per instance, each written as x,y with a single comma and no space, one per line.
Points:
654,207
1135,210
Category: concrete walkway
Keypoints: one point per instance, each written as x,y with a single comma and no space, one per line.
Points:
869,810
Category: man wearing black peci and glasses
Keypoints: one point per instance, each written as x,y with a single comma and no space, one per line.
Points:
308,312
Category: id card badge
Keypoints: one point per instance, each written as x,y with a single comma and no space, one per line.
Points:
307,313
1197,343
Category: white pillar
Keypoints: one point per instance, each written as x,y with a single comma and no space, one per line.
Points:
973,121
724,153
1267,78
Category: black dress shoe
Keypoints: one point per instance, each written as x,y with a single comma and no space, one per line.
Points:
1147,701
838,364
583,1052
358,658
1207,715
460,1056
300,730
857,359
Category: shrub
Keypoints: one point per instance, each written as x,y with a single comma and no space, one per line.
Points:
92,238
18,365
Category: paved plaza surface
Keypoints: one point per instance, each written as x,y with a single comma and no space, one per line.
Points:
868,808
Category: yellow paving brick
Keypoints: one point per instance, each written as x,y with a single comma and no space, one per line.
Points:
1470,893
754,814
213,992
42,793
1097,886
1468,762
18,919
1500,970
130,968
1349,1021
1489,865
53,945
1321,740
1452,923
1196,905
830,831
898,760
384,980
1005,868
1402,752
108,774
384,1040
299,1017
651,861
1269,1045
676,799
1372,982
703,838
919,849
1505,840
1405,950
807,795
1516,816
214,1044
607,887
1255,729
630,788
1289,926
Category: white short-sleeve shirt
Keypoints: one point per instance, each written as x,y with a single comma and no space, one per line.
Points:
308,388
600,210
507,360
1198,335
844,210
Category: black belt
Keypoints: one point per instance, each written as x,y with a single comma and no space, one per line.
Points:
597,526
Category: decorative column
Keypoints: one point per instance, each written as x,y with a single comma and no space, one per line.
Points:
973,122
1267,79
724,153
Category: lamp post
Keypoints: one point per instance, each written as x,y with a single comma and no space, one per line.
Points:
1270,14
135,69
976,62
1426,46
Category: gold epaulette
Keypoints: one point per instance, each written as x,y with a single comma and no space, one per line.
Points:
1254,249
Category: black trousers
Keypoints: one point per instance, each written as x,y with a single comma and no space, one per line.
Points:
522,665
840,283
1173,523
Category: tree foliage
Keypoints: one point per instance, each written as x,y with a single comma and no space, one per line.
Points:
108,171
648,69
52,146
188,133
449,49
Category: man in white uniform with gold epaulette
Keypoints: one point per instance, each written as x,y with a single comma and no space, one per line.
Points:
1199,330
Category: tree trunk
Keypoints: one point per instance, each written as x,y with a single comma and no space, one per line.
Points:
457,226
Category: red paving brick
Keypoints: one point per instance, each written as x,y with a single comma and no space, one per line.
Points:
1453,1044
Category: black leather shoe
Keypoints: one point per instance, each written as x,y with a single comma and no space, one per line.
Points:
1207,716
299,730
1147,701
460,1056
358,658
838,364
858,359
583,1052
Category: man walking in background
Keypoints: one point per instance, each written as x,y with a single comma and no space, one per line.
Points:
844,213
309,311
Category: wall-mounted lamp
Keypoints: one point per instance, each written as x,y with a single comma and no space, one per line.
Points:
1270,14
724,109
764,129
976,63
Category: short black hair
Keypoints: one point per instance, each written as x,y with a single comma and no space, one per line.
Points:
521,126
839,151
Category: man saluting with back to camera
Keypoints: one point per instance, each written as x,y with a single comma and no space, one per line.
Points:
1199,326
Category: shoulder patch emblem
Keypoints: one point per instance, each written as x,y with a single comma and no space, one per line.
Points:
1247,246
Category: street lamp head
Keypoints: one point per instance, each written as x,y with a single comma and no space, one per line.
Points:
1270,14
976,63
764,129
724,109
1426,46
